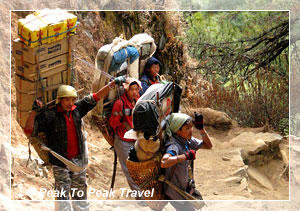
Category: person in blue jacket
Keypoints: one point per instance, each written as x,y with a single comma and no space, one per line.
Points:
151,74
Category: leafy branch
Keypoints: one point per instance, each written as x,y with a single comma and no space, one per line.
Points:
244,56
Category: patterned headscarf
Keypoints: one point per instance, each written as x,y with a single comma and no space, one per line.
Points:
176,121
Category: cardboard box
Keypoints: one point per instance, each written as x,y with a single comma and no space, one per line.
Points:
24,100
25,53
24,85
22,117
46,68
58,78
46,26
69,19
53,82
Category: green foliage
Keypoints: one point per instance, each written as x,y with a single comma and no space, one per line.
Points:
284,126
236,42
246,57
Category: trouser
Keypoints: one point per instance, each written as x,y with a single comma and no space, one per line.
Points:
122,149
70,185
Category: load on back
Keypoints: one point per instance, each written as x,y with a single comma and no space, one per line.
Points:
150,113
43,54
121,57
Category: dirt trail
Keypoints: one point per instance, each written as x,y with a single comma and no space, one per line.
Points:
222,175
214,170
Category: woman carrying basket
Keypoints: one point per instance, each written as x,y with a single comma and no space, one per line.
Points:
180,152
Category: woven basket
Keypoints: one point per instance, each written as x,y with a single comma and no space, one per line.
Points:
105,129
37,142
147,171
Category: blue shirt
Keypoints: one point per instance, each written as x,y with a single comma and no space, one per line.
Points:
177,146
146,83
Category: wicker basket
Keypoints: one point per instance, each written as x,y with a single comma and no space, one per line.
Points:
147,172
105,129
37,142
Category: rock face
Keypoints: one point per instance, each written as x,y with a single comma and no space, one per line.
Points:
259,148
4,177
4,168
265,154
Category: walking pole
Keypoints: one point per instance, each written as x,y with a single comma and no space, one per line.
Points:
114,171
184,194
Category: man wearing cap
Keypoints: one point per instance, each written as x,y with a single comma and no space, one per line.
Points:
121,121
62,126
151,74
180,152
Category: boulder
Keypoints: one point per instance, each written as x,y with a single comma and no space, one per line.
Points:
257,148
216,119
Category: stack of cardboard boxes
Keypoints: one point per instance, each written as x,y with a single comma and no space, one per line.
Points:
43,62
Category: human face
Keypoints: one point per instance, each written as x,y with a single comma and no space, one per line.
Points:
154,70
67,103
186,131
133,92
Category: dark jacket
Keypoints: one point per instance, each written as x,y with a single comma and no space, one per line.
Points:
53,124
146,79
147,82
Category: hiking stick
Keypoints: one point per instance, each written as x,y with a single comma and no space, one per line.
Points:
186,195
114,171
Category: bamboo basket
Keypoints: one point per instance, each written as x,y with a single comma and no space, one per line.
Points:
147,173
36,142
105,129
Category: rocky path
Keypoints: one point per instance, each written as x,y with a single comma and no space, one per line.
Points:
220,173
